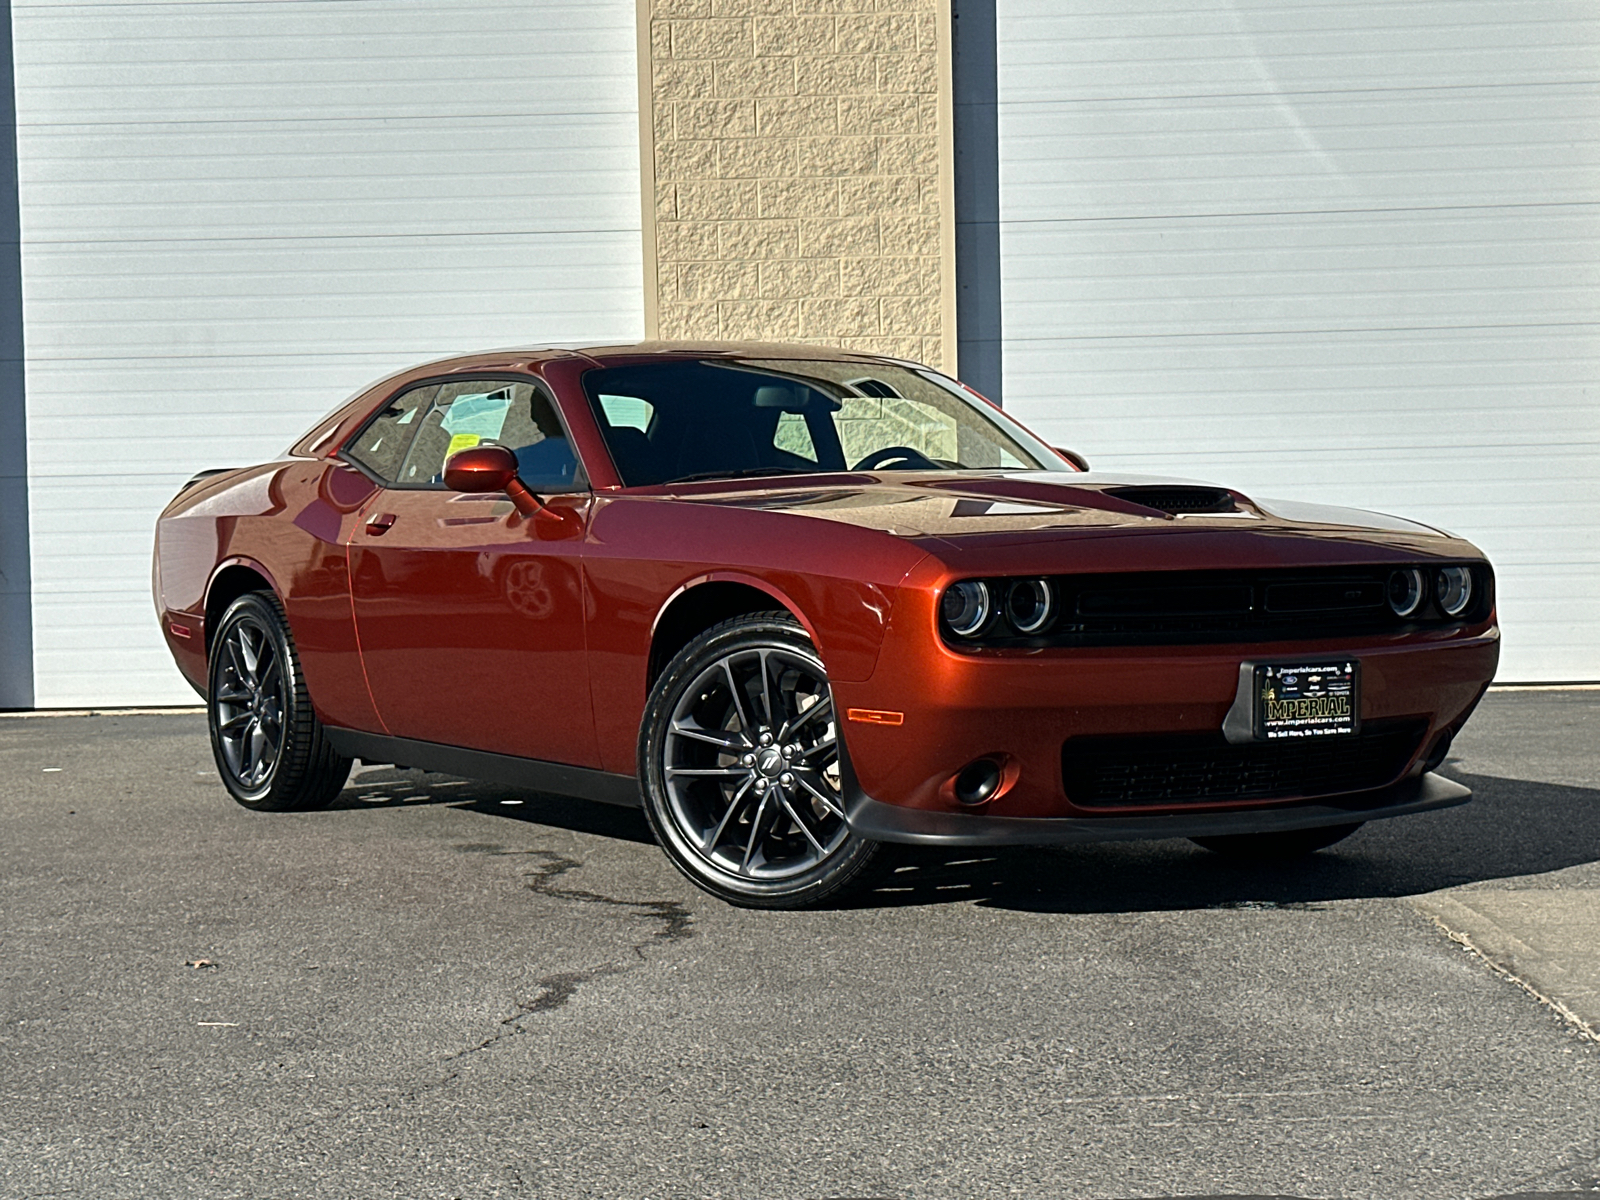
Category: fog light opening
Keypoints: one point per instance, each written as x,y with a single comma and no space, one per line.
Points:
978,781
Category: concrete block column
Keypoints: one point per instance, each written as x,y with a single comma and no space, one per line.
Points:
797,166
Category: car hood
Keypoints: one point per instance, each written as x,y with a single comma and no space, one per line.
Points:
948,512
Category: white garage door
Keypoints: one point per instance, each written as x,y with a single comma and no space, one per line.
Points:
1340,252
237,212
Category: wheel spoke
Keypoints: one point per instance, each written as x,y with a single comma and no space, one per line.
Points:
822,797
256,743
731,742
745,723
708,772
766,690
826,744
249,656
804,828
755,835
233,666
237,721
233,697
735,805
233,751
824,705
271,676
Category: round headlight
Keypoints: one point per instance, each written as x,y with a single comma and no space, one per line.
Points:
1030,603
1454,589
1406,591
965,607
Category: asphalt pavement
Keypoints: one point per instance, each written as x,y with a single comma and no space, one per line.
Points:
440,988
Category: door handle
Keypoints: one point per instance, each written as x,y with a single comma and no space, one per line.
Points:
378,524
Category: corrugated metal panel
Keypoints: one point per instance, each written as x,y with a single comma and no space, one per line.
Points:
1340,252
237,212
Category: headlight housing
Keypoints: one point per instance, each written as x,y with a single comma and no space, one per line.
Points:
965,607
1030,603
1001,608
1407,591
1453,589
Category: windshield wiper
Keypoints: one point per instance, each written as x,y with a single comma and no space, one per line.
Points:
749,472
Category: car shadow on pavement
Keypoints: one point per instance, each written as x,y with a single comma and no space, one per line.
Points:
1511,827
394,787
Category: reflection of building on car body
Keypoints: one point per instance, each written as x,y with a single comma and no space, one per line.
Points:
805,604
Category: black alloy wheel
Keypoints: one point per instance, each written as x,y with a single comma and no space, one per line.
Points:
269,746
1270,847
739,762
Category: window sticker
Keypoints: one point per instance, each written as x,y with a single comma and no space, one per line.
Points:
627,412
461,441
481,415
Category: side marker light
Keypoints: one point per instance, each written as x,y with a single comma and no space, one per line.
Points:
875,716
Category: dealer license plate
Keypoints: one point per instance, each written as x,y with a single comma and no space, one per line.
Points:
1299,700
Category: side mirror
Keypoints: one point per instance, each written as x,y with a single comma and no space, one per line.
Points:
480,469
1073,457
490,469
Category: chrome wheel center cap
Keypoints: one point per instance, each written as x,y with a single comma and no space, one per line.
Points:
769,762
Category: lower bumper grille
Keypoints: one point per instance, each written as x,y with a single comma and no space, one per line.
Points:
1203,768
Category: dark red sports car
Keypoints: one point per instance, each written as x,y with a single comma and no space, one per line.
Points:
801,603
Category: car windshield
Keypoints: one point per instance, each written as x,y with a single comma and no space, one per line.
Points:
670,422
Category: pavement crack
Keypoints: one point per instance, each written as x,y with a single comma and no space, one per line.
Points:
1578,1026
676,920
675,923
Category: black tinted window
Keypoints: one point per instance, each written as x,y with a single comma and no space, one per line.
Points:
677,420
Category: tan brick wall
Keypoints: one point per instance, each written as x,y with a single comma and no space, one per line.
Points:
797,156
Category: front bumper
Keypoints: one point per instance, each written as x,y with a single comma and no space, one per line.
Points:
881,822
947,710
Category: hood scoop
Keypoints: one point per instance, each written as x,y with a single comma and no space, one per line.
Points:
1177,499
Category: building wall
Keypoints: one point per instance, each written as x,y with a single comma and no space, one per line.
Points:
1338,252
801,190
235,213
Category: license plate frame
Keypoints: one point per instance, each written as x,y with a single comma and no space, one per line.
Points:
1299,698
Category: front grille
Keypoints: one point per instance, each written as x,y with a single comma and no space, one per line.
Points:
1193,607
1203,768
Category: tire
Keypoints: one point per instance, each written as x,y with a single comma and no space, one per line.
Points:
1268,847
739,766
270,748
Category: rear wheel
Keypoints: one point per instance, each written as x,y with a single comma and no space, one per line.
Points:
270,748
1265,847
739,765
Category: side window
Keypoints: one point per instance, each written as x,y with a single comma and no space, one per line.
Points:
492,412
380,445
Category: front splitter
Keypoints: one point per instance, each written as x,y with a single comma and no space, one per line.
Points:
881,822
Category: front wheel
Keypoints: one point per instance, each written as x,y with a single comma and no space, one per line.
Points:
739,766
1267,847
269,746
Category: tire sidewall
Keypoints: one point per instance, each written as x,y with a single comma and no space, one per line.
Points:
829,878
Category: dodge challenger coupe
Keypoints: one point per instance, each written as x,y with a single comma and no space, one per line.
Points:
803,603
